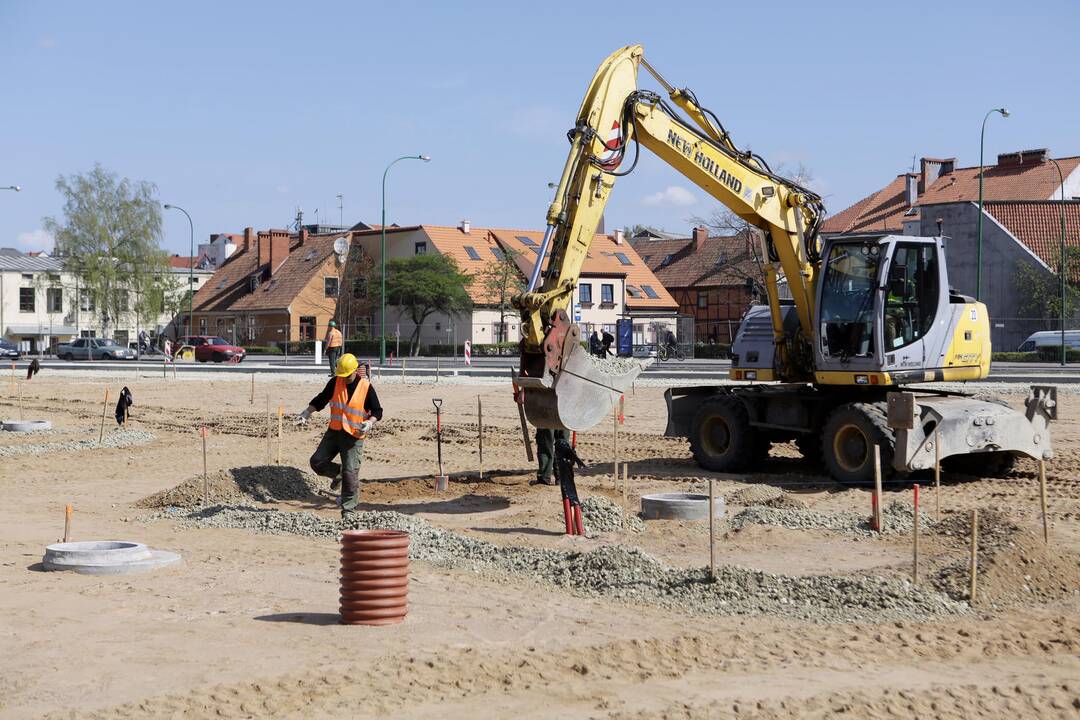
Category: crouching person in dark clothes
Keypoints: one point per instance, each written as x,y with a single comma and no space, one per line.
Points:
354,408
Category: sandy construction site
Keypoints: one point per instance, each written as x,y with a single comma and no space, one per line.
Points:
812,614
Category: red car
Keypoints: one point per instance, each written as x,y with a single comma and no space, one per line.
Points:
213,348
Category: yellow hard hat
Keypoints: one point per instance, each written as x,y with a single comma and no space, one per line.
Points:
346,365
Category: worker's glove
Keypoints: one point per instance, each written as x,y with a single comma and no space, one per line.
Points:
302,418
365,427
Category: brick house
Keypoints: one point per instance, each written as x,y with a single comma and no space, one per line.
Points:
713,279
1021,227
279,286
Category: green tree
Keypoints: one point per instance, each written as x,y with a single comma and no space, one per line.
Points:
1039,293
501,279
425,284
109,236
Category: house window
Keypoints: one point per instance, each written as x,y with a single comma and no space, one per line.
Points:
250,327
122,300
307,328
607,294
330,287
420,248
623,260
666,261
359,288
26,299
54,300
253,283
649,292
498,253
585,293
202,326
632,291
471,252
86,301
525,240
703,300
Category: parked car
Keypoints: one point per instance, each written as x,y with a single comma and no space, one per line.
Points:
8,350
94,348
211,348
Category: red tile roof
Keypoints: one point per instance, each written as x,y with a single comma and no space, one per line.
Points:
721,261
183,262
885,210
1038,225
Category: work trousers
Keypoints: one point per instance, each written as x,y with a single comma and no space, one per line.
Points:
332,354
545,451
351,450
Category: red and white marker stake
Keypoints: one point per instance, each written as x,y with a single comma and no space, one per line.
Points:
468,352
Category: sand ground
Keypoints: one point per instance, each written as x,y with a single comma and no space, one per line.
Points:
246,626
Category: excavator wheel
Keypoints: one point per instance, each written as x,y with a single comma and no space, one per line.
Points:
848,439
985,464
721,437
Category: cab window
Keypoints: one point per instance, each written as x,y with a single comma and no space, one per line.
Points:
911,295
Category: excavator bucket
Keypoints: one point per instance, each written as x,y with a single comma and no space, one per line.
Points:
568,389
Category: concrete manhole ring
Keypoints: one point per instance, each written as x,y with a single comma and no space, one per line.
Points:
26,425
679,506
105,557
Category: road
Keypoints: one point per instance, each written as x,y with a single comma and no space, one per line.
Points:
495,367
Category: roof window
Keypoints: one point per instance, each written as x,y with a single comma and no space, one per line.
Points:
471,251
633,291
498,253
310,255
525,240
623,260
666,261
649,292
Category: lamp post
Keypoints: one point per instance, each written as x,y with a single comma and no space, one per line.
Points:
191,266
16,188
979,254
1063,267
382,258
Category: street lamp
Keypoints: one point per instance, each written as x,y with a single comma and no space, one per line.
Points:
982,135
16,188
1062,268
382,258
191,267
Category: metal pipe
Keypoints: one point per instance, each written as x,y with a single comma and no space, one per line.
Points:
979,252
539,265
1063,266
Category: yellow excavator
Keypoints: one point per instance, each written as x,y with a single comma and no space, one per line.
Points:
825,366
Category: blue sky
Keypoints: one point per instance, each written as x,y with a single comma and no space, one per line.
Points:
240,112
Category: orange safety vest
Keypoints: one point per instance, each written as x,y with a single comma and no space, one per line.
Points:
335,338
346,414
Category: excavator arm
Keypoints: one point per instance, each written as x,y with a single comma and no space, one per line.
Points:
565,389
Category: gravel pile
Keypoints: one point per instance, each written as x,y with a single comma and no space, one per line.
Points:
265,483
602,515
614,571
762,495
113,439
897,517
615,365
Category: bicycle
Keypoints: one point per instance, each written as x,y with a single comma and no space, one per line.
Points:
667,353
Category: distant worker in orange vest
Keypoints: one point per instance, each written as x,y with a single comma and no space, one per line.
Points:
354,409
333,344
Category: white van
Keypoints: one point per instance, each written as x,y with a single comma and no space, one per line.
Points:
1050,337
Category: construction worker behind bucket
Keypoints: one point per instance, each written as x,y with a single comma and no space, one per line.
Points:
333,345
354,408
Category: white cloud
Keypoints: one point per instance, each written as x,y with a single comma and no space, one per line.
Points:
672,196
34,240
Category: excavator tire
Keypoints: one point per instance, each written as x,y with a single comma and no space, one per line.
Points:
986,464
721,437
848,439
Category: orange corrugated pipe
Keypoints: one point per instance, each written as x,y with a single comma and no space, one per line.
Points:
374,577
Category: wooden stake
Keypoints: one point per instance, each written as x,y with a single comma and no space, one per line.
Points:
252,388
937,475
1042,499
438,364
67,523
20,401
712,530
480,432
625,480
104,409
205,479
915,562
402,371
280,416
877,489
974,554
267,429
12,376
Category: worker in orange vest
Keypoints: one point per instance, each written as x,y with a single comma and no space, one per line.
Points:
333,344
354,409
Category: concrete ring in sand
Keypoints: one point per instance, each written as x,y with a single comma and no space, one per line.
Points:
26,425
105,557
679,506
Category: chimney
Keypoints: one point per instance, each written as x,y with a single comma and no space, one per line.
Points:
262,242
911,189
249,237
930,169
1023,157
465,225
619,237
303,237
700,235
279,248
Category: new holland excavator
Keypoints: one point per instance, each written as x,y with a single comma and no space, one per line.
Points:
827,368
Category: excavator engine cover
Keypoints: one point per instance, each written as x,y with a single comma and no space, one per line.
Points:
573,392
